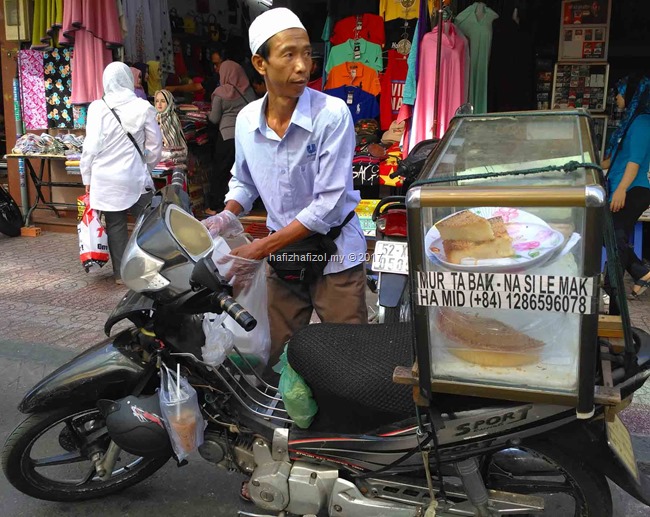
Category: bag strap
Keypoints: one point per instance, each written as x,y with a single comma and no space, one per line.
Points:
240,94
129,135
336,231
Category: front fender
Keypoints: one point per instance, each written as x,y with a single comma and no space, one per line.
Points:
587,441
107,370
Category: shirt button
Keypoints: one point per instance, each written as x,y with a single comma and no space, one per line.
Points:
283,171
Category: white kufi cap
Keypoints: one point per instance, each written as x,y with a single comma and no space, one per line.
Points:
269,23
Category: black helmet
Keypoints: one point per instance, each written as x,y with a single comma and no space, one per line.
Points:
134,423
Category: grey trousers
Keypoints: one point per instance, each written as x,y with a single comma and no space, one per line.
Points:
118,234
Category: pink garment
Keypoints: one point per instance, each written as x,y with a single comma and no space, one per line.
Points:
452,82
93,26
234,81
32,89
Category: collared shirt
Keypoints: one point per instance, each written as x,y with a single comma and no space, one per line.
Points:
354,74
305,175
361,104
359,50
367,26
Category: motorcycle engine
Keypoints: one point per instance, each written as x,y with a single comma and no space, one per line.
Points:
216,447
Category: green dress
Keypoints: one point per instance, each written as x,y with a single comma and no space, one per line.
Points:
477,28
48,18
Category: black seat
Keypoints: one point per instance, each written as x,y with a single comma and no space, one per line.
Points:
349,369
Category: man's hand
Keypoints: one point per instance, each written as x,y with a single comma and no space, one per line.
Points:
256,250
618,200
239,271
225,224
605,164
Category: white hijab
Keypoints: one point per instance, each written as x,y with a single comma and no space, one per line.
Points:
118,90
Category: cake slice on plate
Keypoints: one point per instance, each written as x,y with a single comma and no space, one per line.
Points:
465,226
500,246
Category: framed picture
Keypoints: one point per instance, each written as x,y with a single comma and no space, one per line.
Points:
584,30
580,85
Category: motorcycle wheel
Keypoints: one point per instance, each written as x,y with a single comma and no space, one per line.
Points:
47,457
11,219
546,471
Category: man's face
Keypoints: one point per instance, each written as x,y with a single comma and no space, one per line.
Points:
216,61
289,64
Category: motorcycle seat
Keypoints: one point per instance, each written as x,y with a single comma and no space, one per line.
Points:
349,369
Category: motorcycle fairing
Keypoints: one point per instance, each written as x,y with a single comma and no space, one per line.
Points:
465,433
108,370
587,441
132,306
391,289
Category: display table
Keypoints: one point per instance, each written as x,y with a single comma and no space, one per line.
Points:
39,183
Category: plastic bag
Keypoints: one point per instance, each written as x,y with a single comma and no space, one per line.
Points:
218,339
181,414
254,345
93,240
296,395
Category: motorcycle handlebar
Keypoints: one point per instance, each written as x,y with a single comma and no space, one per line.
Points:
243,318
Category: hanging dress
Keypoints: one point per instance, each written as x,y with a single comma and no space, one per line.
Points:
452,82
475,22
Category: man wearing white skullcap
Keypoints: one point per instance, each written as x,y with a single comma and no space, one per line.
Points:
294,149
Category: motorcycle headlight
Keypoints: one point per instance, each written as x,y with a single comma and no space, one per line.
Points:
141,271
189,233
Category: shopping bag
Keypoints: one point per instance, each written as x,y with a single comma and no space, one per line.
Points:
218,339
181,414
296,394
93,241
256,344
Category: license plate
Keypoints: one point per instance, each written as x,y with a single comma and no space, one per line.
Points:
619,440
391,257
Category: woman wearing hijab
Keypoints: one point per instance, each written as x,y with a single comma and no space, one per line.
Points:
170,126
227,101
115,169
137,81
627,180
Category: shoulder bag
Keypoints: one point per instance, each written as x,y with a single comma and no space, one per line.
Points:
305,260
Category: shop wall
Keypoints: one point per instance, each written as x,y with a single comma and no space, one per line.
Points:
8,50
220,8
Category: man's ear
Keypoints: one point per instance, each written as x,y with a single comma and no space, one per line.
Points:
259,64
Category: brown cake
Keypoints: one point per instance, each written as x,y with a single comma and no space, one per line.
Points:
465,226
500,246
486,341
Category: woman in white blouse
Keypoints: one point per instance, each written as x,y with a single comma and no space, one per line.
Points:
123,144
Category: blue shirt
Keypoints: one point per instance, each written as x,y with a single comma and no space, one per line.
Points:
361,104
305,175
636,149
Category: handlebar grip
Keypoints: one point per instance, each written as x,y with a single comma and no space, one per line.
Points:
243,318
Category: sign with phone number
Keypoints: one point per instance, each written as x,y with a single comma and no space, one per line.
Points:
545,293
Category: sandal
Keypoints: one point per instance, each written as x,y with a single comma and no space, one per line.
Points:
244,493
642,287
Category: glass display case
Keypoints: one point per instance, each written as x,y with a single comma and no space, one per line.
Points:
505,237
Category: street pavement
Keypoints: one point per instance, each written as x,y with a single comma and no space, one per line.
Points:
51,310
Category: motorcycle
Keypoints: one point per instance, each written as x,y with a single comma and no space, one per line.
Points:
370,450
389,217
11,219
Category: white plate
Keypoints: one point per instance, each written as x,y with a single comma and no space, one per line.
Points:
533,240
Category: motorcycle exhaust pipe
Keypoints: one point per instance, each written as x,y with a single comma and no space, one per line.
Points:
468,470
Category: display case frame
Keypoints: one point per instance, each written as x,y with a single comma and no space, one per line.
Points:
589,197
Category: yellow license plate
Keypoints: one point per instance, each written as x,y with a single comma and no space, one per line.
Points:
619,440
